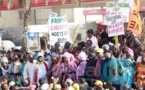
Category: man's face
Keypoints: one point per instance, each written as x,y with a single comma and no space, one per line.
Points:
56,45
4,64
31,58
100,27
80,47
40,58
67,44
89,35
32,38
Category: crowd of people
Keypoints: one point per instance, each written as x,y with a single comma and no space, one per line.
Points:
97,64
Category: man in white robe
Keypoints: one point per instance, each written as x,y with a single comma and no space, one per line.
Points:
40,69
28,70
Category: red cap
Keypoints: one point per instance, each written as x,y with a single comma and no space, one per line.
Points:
101,23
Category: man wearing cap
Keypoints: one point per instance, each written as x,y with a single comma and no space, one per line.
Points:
91,37
100,64
6,69
40,69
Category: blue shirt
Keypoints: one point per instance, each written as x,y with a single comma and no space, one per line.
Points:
23,66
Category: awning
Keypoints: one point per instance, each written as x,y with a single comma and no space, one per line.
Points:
41,3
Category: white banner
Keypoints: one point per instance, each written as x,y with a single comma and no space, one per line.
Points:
58,30
116,15
126,6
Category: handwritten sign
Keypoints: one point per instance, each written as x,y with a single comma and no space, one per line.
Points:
113,19
33,41
135,24
116,15
58,30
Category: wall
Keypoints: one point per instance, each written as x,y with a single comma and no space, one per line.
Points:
11,23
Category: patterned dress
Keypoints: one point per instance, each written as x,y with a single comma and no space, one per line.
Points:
68,73
139,72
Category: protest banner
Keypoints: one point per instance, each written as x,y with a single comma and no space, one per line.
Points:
113,20
135,23
33,41
58,30
116,15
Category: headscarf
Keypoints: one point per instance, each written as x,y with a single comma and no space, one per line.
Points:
106,47
130,51
70,56
82,56
108,55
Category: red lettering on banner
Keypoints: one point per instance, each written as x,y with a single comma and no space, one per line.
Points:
58,27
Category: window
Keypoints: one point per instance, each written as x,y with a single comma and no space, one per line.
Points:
21,15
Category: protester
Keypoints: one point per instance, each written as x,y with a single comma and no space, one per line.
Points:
91,37
28,70
82,57
100,64
69,68
140,73
86,66
55,68
40,69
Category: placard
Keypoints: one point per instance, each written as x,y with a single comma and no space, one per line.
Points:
33,41
135,23
116,15
53,14
58,30
114,20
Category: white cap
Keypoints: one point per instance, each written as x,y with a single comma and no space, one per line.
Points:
45,86
69,81
106,46
12,83
82,56
40,55
4,59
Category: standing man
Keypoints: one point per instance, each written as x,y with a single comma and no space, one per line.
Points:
28,70
90,66
91,37
40,69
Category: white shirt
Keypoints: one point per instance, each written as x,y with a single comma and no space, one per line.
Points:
139,59
94,41
41,72
4,71
28,70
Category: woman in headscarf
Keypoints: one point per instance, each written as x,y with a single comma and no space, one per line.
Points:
129,54
55,68
82,57
140,72
71,57
69,68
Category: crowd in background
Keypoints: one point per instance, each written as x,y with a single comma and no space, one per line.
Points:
95,64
